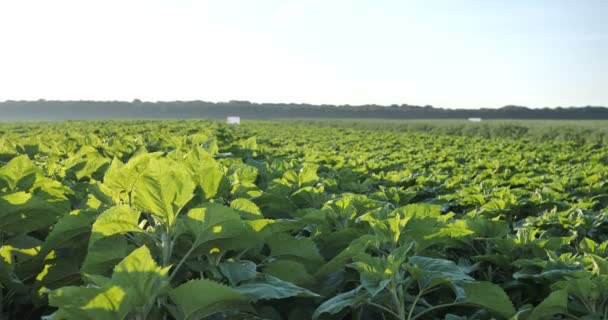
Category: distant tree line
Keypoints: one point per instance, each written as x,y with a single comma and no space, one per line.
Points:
64,110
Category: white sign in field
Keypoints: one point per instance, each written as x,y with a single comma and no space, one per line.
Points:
233,120
475,119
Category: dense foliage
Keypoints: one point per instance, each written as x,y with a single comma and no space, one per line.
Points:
199,220
581,132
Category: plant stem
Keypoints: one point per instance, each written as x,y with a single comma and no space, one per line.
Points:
385,309
184,258
166,243
398,300
573,316
414,303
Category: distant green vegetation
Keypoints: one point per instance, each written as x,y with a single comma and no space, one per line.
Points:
62,110
300,220
579,131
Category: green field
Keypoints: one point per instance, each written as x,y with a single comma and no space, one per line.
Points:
304,219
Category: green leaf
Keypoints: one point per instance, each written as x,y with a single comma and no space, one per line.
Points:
356,247
431,272
242,174
387,230
419,210
555,303
101,195
141,276
456,229
375,273
290,271
352,299
20,249
22,252
79,303
210,177
19,173
116,220
86,165
122,177
210,222
25,212
266,287
163,190
600,265
57,273
104,254
489,296
245,205
238,271
68,229
309,197
136,283
201,298
303,249
249,143
308,175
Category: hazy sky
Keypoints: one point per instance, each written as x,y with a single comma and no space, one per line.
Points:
446,53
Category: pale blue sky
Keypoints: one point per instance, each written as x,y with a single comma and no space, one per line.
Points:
446,53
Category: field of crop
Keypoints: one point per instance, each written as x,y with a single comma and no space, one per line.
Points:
302,220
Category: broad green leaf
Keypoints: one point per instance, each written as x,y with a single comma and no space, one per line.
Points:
555,303
274,206
375,273
104,254
210,177
266,287
163,190
308,175
350,299
123,177
198,299
387,230
80,303
419,210
265,228
489,296
69,228
431,272
116,220
19,173
238,271
25,212
302,249
143,279
242,174
101,196
290,271
22,252
87,165
136,283
309,197
600,265
249,143
20,249
247,206
210,222
456,229
57,273
356,247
